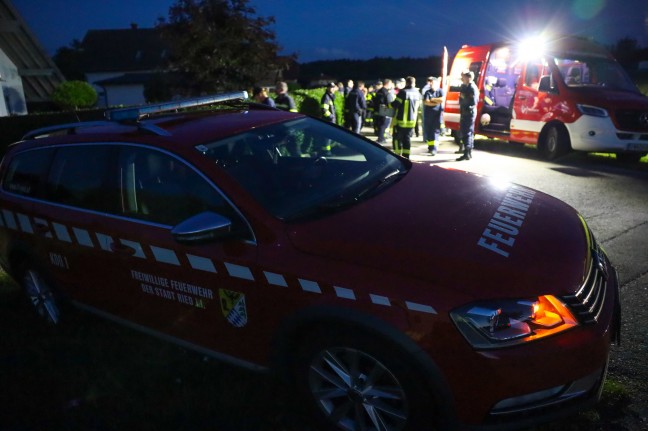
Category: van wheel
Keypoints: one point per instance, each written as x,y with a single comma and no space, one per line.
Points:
41,296
355,381
554,144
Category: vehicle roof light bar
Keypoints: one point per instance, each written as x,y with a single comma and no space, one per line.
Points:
134,114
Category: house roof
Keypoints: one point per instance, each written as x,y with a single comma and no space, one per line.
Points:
124,50
39,74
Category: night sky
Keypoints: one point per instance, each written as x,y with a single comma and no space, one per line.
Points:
336,29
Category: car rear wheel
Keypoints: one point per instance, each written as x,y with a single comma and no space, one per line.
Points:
355,381
41,296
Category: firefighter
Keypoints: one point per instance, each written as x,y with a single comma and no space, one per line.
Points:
468,98
283,100
328,103
355,106
406,105
433,113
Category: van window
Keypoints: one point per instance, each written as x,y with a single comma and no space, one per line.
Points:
27,172
85,177
594,71
455,77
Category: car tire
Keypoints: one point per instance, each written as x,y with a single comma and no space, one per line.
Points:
554,143
40,295
347,379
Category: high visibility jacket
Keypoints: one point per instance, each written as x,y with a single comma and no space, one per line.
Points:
406,106
328,107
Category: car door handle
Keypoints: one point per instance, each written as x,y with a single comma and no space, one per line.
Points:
41,228
120,248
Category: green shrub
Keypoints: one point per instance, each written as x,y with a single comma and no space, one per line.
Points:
74,95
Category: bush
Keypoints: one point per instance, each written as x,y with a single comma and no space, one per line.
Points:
74,95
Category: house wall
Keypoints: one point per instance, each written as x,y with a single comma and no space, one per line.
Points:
12,95
101,93
125,95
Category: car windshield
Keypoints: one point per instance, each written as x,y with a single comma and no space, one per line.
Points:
595,71
305,168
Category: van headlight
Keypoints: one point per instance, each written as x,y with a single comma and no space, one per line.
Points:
594,111
500,323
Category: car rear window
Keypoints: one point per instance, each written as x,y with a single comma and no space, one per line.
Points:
27,172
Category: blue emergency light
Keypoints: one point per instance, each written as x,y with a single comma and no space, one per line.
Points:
134,114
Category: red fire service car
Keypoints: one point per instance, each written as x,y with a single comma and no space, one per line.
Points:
390,295
562,94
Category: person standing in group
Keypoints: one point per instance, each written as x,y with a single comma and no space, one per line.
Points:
425,88
432,113
355,106
346,117
328,103
382,106
396,144
468,98
283,100
260,94
406,107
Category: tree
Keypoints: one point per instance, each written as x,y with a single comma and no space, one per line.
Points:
69,59
74,95
220,44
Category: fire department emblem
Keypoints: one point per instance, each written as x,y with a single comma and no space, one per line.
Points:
233,307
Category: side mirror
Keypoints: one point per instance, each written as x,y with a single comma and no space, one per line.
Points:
201,228
546,84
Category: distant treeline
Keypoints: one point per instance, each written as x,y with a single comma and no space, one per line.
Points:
369,70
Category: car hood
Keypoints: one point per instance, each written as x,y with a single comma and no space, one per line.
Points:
460,231
611,98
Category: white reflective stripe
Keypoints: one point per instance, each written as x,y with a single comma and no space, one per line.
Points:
10,220
276,279
165,255
527,125
380,300
25,223
61,232
105,241
239,271
201,263
139,252
310,286
420,307
342,292
82,237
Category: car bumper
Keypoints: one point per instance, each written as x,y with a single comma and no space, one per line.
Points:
598,134
545,380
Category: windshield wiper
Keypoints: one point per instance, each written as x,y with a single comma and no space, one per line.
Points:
341,202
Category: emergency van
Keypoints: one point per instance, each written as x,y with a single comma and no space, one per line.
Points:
560,95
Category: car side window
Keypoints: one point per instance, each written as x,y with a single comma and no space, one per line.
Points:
27,172
160,188
85,177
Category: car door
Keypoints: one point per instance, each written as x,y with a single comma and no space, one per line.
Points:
194,292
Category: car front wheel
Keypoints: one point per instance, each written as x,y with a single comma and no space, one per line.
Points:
353,381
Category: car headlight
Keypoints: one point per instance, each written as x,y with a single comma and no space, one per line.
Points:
594,111
500,323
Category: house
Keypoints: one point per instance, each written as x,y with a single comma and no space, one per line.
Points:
28,76
120,62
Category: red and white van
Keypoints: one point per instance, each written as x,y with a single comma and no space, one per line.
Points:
566,94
